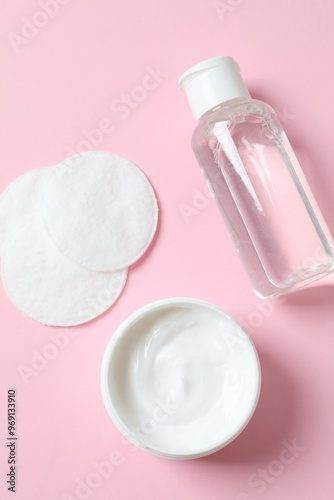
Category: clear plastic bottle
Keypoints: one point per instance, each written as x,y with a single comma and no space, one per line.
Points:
270,211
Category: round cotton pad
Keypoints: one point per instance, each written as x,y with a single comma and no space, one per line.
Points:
47,286
100,210
21,201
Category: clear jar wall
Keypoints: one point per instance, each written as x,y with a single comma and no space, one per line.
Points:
261,191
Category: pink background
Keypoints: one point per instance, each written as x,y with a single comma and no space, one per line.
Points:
60,84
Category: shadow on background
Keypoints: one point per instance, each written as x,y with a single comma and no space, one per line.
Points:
274,418
312,297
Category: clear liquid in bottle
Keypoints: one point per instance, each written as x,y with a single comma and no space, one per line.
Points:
259,187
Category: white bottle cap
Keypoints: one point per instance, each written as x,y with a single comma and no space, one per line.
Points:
211,83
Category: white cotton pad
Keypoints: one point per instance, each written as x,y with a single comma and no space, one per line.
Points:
100,210
47,286
21,201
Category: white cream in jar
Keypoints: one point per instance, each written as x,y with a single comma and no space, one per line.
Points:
180,378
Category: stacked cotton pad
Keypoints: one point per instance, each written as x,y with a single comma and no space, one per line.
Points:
68,234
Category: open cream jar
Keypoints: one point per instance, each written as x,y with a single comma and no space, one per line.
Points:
180,378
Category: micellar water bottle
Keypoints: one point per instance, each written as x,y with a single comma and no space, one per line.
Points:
270,211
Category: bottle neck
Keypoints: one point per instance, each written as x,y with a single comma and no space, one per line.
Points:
225,105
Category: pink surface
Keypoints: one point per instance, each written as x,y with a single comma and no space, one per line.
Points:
62,83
